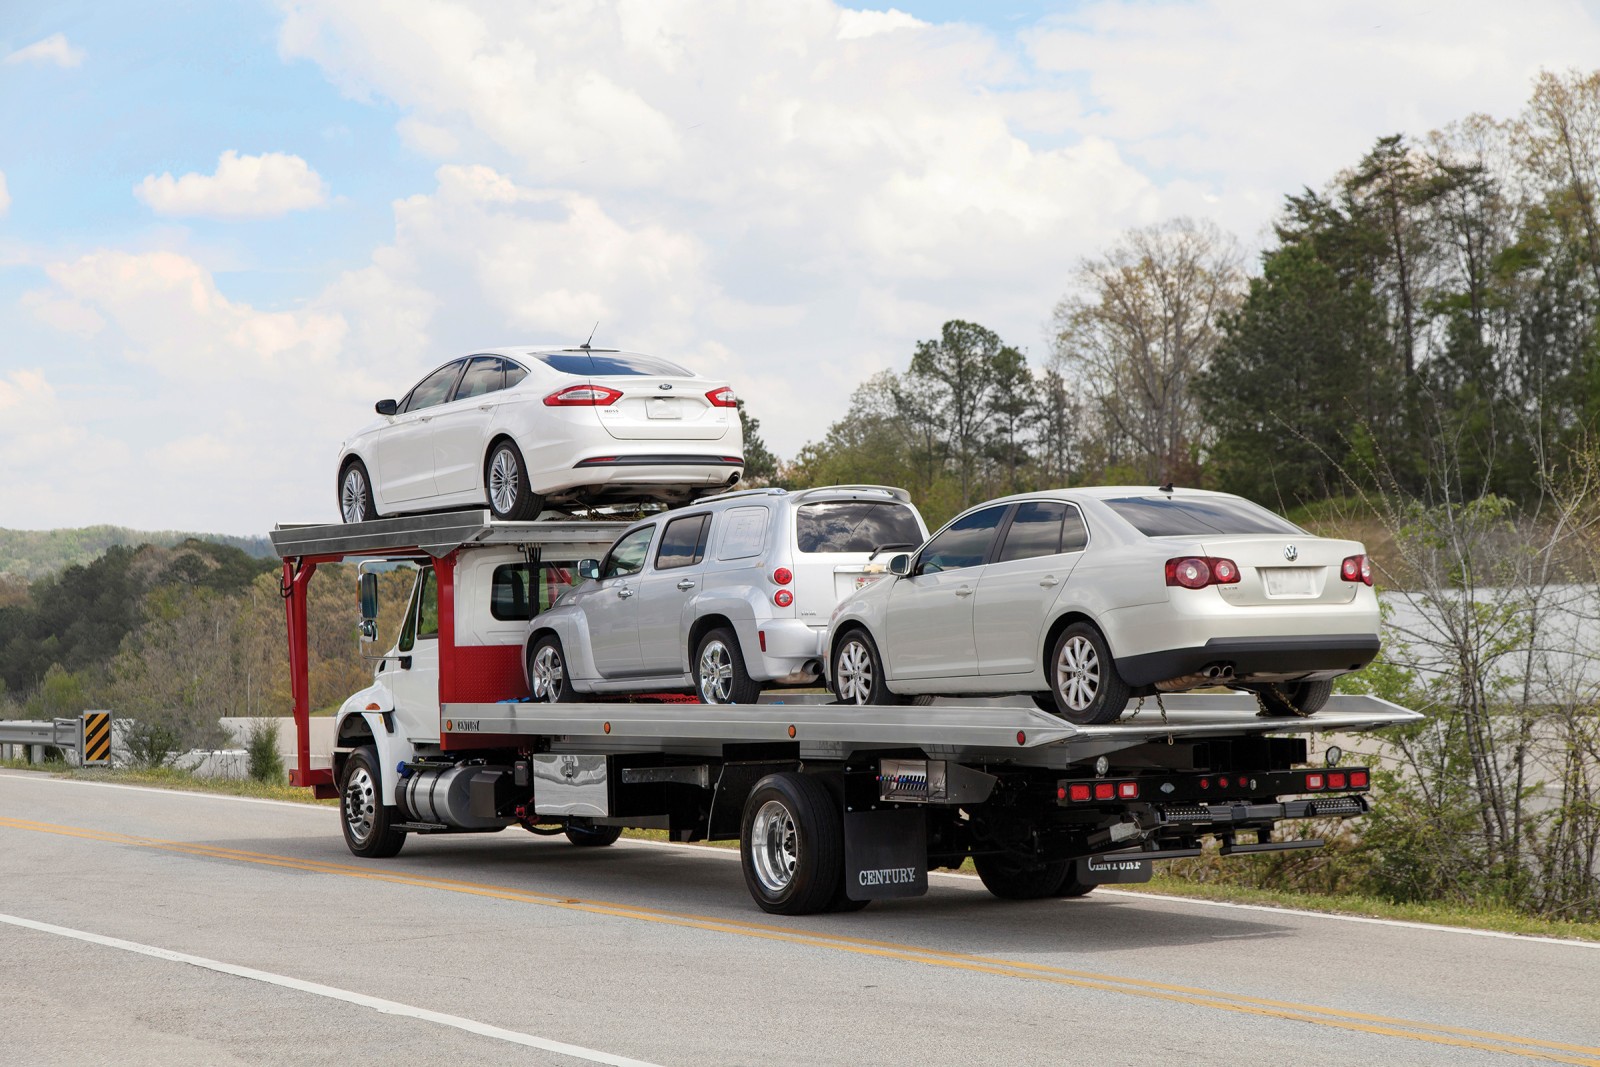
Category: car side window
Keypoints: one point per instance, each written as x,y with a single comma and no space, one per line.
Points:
683,542
627,555
514,373
964,543
434,389
1074,534
485,374
1035,530
743,532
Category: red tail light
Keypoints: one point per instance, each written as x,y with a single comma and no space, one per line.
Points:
1128,790
1356,569
1197,572
783,575
1105,791
1336,780
1358,779
1078,791
722,398
783,598
587,396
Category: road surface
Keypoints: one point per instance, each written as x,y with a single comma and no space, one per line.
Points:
149,927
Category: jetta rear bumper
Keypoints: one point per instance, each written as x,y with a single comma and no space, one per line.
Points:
1264,657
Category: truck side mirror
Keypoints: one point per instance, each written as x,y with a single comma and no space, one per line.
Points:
386,407
369,606
589,569
900,564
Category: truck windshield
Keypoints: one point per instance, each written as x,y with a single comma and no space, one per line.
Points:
855,526
1161,516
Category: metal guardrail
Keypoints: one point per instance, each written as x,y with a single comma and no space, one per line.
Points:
61,733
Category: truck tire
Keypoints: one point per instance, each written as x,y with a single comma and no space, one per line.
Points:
1084,682
368,823
593,836
505,484
1296,698
1013,878
720,676
1071,887
791,845
547,673
857,673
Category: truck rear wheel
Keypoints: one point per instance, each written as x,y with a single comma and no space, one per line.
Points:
1014,878
791,845
593,836
368,822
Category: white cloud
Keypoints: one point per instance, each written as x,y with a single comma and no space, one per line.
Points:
5,196
261,186
428,139
53,49
856,24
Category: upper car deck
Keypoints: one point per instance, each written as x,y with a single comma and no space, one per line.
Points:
950,730
440,533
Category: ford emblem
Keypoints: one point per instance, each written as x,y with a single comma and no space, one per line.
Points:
664,385
1291,553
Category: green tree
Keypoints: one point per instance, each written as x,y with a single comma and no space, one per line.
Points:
954,374
760,465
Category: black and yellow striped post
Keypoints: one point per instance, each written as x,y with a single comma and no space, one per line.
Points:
95,747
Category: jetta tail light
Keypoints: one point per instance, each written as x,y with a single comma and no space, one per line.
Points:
722,398
1356,569
584,396
1197,572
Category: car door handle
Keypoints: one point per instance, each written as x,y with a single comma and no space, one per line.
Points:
624,592
965,590
485,407
1049,580
686,585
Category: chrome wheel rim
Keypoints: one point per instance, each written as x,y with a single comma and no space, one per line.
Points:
505,481
774,846
855,673
1078,673
360,804
716,674
353,495
548,674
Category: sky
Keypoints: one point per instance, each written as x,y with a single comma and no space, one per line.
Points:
226,230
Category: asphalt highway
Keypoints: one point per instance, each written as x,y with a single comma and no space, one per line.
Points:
150,927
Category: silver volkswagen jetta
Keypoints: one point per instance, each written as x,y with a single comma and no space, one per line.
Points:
1084,598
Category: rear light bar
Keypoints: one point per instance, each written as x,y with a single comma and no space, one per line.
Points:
586,396
1197,572
723,398
1356,569
1213,788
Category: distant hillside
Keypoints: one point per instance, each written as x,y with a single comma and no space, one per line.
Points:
32,554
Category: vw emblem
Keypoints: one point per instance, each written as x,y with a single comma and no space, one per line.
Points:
664,385
1291,553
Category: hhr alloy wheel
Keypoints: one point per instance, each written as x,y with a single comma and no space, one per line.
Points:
719,672
547,673
1083,680
506,481
355,493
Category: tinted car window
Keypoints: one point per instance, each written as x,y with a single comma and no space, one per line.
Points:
1035,531
683,542
433,389
855,526
514,373
964,543
509,591
743,532
486,374
627,555
1161,516
607,364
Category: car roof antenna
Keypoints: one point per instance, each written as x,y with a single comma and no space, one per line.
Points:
585,345
1167,487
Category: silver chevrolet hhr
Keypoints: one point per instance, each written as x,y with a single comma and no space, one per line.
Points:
1087,597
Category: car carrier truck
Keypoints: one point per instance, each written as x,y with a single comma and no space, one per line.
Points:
833,806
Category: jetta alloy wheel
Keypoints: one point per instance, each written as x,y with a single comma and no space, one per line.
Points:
855,674
1078,673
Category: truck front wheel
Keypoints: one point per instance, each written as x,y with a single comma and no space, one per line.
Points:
792,845
1014,878
367,821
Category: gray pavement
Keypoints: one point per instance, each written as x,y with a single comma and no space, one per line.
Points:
656,953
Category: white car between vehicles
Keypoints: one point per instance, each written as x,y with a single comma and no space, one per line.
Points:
522,428
724,597
1086,597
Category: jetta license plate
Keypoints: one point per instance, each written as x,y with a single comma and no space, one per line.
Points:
1291,581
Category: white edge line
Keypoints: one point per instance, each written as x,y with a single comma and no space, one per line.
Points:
387,1007
964,881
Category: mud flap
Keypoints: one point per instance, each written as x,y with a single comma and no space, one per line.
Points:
1107,870
885,854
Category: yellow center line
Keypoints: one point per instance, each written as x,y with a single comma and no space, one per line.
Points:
1308,1013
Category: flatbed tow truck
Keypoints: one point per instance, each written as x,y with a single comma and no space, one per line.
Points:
833,806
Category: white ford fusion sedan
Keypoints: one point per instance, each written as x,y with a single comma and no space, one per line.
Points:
519,429
1084,598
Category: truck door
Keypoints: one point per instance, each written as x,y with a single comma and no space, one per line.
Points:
666,591
412,674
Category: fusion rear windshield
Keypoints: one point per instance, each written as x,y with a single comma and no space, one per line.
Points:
608,364
1161,516
855,526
